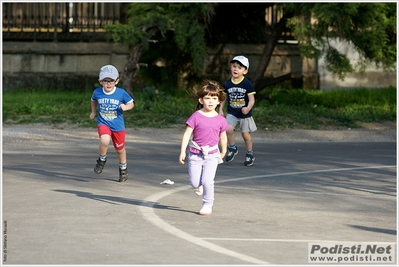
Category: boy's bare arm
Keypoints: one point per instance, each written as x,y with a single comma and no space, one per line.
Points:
221,106
127,106
93,113
251,103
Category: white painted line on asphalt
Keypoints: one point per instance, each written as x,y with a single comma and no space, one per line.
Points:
148,213
305,172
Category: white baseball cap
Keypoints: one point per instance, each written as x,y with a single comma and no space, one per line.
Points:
243,60
108,71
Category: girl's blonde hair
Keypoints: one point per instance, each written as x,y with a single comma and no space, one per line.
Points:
209,87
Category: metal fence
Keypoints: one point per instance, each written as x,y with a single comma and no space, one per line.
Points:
76,21
58,21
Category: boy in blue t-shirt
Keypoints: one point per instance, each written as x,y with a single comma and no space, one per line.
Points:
240,101
109,102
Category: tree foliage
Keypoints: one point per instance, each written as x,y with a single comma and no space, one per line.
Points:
188,29
148,20
369,27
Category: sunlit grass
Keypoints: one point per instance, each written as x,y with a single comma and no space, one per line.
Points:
301,109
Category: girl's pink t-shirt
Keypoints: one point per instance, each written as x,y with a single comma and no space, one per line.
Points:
206,130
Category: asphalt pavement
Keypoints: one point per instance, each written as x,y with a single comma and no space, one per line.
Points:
57,211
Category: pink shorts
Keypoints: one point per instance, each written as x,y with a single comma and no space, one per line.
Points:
118,138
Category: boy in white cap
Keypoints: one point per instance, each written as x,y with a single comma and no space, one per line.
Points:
109,102
241,99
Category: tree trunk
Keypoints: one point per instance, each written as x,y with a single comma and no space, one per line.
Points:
268,52
131,66
271,81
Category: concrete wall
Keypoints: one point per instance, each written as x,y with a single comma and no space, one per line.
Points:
67,65
76,65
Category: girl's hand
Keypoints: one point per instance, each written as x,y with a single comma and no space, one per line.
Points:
222,155
92,115
182,157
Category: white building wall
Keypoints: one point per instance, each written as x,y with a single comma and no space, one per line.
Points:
373,77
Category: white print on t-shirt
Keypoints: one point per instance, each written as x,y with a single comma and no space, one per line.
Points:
237,97
108,101
108,108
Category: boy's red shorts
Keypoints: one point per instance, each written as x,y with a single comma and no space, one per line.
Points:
118,138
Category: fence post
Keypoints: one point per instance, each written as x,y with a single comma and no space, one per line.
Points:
55,22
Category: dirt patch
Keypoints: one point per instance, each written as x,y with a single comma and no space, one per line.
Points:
380,126
389,125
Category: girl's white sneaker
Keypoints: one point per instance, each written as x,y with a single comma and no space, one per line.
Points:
206,210
199,190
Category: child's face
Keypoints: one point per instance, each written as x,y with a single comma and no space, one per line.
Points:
209,102
108,84
237,71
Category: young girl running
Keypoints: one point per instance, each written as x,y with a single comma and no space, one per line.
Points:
207,129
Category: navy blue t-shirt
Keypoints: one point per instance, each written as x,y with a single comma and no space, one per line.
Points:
237,97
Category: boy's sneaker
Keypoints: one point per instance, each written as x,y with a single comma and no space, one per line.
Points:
231,153
99,166
199,190
123,174
249,159
206,210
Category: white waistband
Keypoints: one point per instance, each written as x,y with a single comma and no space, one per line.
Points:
204,149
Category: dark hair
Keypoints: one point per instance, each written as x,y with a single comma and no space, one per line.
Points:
239,63
209,87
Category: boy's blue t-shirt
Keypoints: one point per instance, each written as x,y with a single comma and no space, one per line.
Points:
109,113
237,97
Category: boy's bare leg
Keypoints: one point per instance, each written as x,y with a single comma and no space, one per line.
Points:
249,155
102,150
104,143
230,135
231,151
247,140
123,174
121,155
